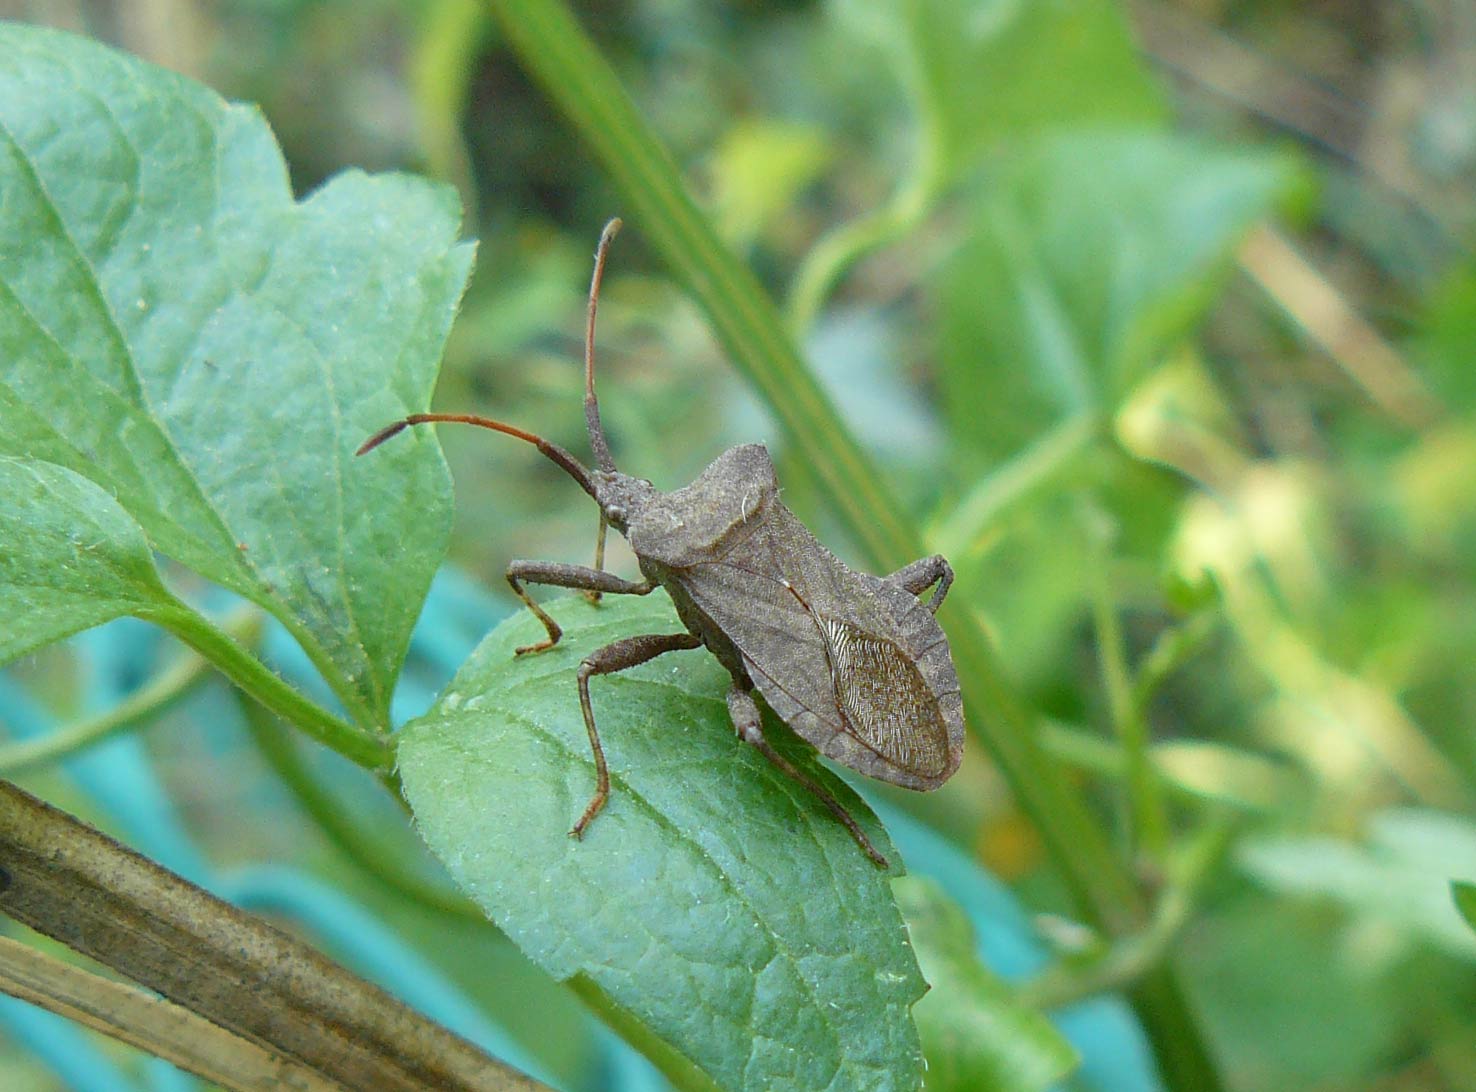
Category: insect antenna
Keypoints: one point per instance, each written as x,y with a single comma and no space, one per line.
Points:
570,465
597,439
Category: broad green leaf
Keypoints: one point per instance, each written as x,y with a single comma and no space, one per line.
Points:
70,557
976,1038
1089,254
713,901
176,328
1402,876
982,71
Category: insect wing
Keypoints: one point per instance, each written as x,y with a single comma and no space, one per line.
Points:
883,698
856,666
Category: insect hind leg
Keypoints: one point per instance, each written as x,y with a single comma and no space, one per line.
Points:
616,656
746,721
921,575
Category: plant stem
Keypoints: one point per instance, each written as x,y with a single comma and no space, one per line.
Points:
679,1072
280,752
160,694
572,72
1170,652
74,884
1148,822
1033,466
841,248
150,1023
1128,959
253,677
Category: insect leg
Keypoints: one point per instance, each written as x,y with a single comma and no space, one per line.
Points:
745,713
617,656
561,575
921,575
593,595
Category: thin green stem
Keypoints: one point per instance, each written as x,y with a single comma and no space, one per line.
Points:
679,1072
1148,819
1039,463
830,258
1128,959
1173,649
148,703
281,754
836,252
257,680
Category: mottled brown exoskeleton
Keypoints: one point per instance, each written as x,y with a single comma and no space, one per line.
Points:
856,664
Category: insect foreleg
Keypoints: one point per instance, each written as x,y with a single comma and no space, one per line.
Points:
617,656
560,575
745,713
923,574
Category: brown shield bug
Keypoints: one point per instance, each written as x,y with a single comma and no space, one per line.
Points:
855,664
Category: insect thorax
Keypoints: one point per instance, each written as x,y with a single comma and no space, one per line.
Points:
696,523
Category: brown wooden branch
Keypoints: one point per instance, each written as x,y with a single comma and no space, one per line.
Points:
80,887
150,1023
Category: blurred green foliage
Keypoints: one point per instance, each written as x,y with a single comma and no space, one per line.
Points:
1024,224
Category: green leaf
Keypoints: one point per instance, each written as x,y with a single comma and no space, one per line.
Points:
975,1036
1402,876
72,558
1464,896
714,901
982,71
176,328
1089,255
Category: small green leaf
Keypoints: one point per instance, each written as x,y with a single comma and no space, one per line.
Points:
974,1035
176,328
71,557
1090,254
714,901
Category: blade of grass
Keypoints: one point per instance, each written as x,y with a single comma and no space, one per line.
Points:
572,72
